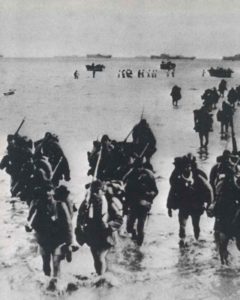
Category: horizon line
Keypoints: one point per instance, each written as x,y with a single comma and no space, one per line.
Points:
85,56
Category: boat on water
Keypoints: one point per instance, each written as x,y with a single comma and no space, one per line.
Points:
10,92
98,56
167,65
220,72
233,58
95,68
167,56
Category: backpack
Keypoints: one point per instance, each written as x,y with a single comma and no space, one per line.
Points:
89,212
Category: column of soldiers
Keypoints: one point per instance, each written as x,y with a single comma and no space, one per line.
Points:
37,172
123,184
191,194
203,117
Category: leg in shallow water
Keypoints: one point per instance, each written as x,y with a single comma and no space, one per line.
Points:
99,258
206,138
182,218
140,228
223,243
201,139
46,258
195,223
131,219
56,265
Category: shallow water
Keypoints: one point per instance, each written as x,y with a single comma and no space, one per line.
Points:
80,111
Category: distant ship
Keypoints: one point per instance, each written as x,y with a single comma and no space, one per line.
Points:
235,57
167,56
98,56
1,56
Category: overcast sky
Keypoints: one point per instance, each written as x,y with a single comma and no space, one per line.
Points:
202,28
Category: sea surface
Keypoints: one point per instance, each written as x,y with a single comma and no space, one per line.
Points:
80,111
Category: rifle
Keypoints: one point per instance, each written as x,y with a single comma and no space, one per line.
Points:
19,127
234,142
139,156
144,150
132,129
57,166
82,219
142,114
128,135
94,176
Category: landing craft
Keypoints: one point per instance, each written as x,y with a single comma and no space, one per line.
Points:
96,68
9,93
220,72
167,65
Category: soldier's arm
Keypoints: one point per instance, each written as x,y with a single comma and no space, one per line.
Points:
68,220
4,162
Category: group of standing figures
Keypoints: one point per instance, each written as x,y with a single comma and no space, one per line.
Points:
123,188
203,117
141,73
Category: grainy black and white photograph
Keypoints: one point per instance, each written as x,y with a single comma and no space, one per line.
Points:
119,149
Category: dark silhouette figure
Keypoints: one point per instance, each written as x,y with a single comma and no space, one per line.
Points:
222,87
188,193
203,124
176,95
76,74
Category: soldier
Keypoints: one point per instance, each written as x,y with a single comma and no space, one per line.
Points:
203,125
188,193
218,170
176,95
19,152
222,87
225,117
98,220
49,147
232,97
144,139
140,190
76,74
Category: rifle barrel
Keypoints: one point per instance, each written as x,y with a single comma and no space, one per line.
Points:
19,127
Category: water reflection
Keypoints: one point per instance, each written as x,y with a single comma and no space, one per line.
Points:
203,153
133,257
